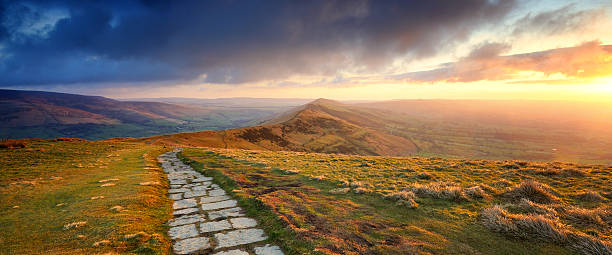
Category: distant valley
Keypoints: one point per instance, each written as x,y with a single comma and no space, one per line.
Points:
37,114
563,131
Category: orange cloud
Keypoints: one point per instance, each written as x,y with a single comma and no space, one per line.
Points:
585,61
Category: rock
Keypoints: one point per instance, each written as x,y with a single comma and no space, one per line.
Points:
186,219
107,185
202,179
226,213
239,237
176,196
181,190
268,250
101,243
205,200
185,211
182,232
97,197
216,192
108,180
243,222
232,252
116,208
77,224
184,203
191,245
219,205
214,226
177,181
190,194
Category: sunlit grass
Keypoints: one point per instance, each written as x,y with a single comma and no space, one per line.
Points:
48,185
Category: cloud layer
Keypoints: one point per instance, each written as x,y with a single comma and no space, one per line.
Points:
66,42
588,60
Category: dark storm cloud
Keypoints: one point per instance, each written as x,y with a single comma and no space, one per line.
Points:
564,19
58,42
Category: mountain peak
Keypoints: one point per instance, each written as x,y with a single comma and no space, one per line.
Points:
324,101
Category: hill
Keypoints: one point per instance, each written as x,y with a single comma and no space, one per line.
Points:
307,128
518,130
37,114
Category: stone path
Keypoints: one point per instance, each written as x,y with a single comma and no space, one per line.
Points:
207,220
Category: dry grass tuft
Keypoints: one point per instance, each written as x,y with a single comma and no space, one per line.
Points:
402,195
537,226
534,191
338,191
591,196
570,172
441,190
584,217
475,192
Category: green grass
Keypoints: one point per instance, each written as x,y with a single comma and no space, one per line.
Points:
50,184
272,225
367,223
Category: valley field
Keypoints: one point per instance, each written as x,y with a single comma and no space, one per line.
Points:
341,204
70,196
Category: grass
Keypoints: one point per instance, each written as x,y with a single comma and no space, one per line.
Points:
255,208
52,200
362,205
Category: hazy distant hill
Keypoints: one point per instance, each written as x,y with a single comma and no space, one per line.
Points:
25,114
463,128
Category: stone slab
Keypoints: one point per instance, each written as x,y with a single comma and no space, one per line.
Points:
214,226
185,211
268,250
219,205
191,245
239,237
243,222
206,200
186,219
184,203
182,232
225,213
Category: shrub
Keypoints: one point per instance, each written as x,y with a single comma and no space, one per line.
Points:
534,191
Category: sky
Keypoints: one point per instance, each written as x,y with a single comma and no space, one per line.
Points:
353,49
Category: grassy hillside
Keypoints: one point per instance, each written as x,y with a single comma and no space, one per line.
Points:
36,114
81,197
383,205
309,128
461,129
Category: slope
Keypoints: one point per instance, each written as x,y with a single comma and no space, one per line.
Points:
321,126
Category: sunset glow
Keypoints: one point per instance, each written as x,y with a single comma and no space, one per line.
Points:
543,50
